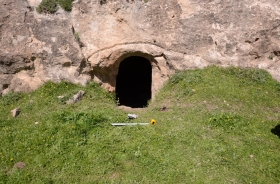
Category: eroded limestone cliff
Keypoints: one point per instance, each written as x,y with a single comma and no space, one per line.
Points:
90,42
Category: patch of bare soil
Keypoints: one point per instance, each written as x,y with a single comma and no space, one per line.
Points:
129,109
115,175
18,165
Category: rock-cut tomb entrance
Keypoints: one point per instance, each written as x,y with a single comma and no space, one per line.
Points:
136,72
134,82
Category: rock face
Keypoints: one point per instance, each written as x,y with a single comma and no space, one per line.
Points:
90,42
36,48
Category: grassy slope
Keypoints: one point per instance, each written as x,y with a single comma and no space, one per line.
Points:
216,129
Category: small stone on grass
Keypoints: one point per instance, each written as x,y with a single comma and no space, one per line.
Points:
15,112
77,97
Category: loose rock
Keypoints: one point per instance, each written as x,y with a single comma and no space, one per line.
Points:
132,116
164,108
77,97
15,112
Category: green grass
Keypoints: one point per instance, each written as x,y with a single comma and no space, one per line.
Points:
216,129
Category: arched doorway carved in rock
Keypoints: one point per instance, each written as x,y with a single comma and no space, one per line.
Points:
134,82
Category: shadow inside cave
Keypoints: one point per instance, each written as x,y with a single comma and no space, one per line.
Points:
276,130
133,84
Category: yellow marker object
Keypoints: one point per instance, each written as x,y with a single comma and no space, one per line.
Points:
153,122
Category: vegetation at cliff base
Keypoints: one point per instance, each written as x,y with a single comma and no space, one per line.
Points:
216,125
51,6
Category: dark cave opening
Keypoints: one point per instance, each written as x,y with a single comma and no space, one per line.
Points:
134,80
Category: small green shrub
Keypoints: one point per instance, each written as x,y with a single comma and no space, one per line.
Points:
47,6
277,85
66,4
50,6
77,36
271,56
11,98
226,121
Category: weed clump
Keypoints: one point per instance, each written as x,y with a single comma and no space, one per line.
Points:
51,6
227,121
90,119
66,4
11,98
47,6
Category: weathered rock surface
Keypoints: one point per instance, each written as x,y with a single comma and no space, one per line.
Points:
172,34
37,48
